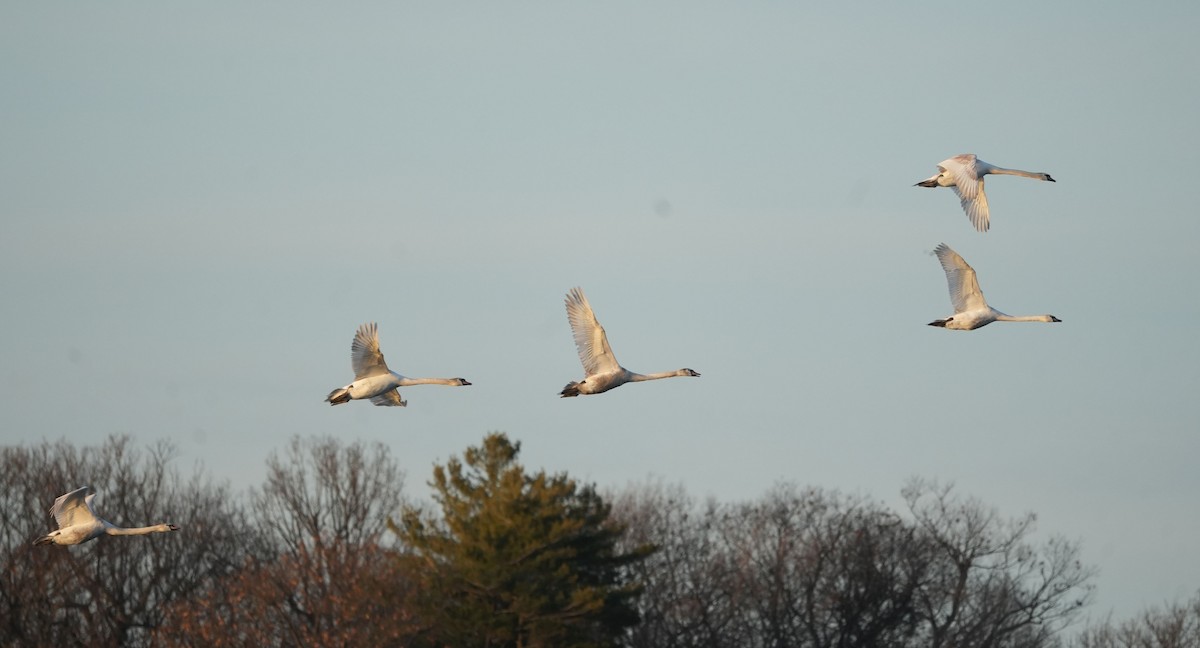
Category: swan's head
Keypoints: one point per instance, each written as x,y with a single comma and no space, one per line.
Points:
172,527
688,372
1053,319
462,382
1047,178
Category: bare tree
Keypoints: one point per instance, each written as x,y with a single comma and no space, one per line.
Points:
112,591
796,568
323,572
988,586
818,568
687,601
1175,625
814,568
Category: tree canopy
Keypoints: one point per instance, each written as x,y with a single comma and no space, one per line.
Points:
518,559
328,551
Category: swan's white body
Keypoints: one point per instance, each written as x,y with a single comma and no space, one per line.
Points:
373,379
964,173
77,521
600,368
970,309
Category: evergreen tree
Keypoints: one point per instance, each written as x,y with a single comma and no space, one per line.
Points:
517,559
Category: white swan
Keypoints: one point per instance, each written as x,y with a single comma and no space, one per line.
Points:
600,367
965,174
373,379
970,309
77,521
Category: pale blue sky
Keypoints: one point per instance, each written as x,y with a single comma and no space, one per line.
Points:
201,203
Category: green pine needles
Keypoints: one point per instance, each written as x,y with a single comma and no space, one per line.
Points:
517,559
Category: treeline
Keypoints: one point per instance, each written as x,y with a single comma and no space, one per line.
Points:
328,552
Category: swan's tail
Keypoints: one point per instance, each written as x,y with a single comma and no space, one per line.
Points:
338,396
572,389
44,540
932,182
940,323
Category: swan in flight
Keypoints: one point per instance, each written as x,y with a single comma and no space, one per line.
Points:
77,521
970,309
965,174
373,379
600,366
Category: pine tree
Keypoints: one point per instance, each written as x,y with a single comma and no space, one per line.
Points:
516,559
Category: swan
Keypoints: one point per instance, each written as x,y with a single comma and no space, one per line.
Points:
965,174
77,521
373,379
970,309
600,366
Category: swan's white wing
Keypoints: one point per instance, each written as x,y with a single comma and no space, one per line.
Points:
365,356
965,173
74,508
390,398
964,287
975,205
590,340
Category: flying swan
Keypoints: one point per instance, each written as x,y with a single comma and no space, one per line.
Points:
373,379
77,521
600,366
970,309
965,174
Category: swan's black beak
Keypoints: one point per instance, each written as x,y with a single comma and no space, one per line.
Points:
173,527
1054,319
1048,178
462,382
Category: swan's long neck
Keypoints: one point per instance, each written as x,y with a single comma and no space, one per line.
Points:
409,382
637,377
1001,317
1017,172
122,531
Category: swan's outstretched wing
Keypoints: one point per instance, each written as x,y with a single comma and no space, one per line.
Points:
964,170
74,508
390,398
964,287
968,184
365,356
976,206
590,340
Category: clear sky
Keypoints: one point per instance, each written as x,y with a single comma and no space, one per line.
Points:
200,203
